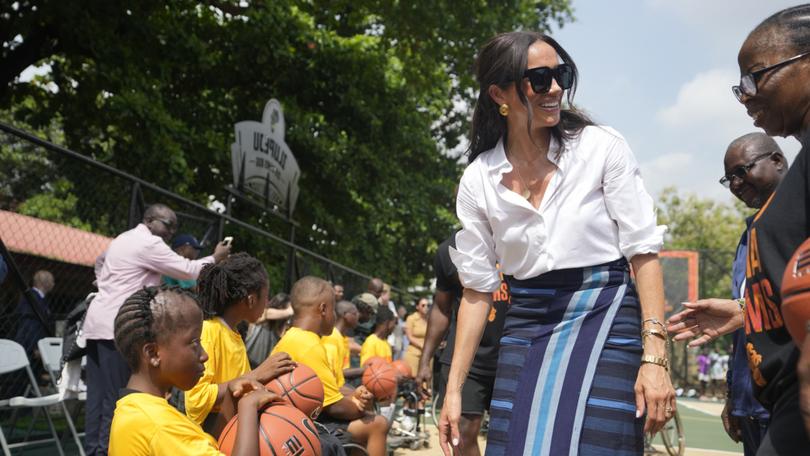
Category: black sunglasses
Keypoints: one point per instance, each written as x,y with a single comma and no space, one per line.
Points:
741,171
540,77
748,83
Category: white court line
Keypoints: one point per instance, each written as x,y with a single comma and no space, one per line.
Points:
689,405
705,450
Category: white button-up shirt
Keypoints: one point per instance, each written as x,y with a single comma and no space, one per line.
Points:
595,210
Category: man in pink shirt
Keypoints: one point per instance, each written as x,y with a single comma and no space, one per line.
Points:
135,259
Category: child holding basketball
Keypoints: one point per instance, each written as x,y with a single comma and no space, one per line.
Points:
157,330
376,344
231,291
313,303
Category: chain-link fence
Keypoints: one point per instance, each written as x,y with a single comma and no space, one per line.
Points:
59,210
691,275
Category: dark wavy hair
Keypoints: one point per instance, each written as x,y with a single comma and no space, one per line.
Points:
502,62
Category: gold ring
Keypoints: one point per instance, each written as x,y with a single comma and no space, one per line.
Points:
668,409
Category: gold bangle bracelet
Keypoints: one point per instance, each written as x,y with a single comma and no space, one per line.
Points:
657,360
654,332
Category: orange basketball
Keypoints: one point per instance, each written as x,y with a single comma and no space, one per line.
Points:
300,388
375,360
381,380
796,293
282,430
403,368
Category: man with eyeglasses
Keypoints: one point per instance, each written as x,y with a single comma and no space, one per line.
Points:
754,167
135,259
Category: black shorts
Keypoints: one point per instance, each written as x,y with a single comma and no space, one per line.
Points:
335,427
476,394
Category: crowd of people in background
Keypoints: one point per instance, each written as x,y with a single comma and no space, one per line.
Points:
536,317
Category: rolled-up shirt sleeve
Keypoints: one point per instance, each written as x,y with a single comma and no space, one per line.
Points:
474,254
629,204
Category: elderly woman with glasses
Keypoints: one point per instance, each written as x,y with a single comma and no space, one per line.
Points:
559,203
775,89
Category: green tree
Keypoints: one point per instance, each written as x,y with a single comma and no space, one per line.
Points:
368,88
709,227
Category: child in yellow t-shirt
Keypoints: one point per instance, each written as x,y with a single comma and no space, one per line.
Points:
313,303
376,343
231,291
157,330
337,344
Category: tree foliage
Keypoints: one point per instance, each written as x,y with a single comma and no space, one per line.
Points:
709,227
369,89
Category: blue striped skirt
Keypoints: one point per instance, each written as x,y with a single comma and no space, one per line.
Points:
569,358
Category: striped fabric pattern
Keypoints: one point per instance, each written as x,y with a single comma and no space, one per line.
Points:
569,358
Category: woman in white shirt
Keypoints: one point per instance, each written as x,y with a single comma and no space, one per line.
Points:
560,204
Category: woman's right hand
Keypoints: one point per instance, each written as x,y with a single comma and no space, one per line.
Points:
705,320
448,423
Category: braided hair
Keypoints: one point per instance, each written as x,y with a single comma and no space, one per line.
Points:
221,285
145,316
792,23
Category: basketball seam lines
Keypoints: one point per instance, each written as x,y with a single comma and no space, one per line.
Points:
266,438
296,427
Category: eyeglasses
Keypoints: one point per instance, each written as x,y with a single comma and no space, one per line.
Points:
540,77
170,225
741,171
748,83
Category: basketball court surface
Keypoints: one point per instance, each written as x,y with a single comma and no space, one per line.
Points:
702,427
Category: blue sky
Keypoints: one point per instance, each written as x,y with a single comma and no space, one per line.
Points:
660,72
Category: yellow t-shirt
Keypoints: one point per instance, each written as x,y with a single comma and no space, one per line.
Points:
374,346
144,424
336,352
304,347
227,360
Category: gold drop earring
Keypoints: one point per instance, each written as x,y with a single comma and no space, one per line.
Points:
504,109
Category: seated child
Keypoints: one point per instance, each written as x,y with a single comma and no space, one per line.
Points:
376,344
338,344
157,330
231,291
313,303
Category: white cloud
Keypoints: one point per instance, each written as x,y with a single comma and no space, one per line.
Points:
705,104
694,132
721,14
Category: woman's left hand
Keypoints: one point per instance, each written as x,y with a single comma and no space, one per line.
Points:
655,396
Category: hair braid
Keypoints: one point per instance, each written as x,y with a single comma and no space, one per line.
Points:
144,317
793,23
223,284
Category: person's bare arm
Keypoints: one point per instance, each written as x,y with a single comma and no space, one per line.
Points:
472,318
437,327
654,391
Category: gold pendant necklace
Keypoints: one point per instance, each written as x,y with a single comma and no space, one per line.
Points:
527,194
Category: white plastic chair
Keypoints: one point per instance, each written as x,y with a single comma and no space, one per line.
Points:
50,351
13,358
